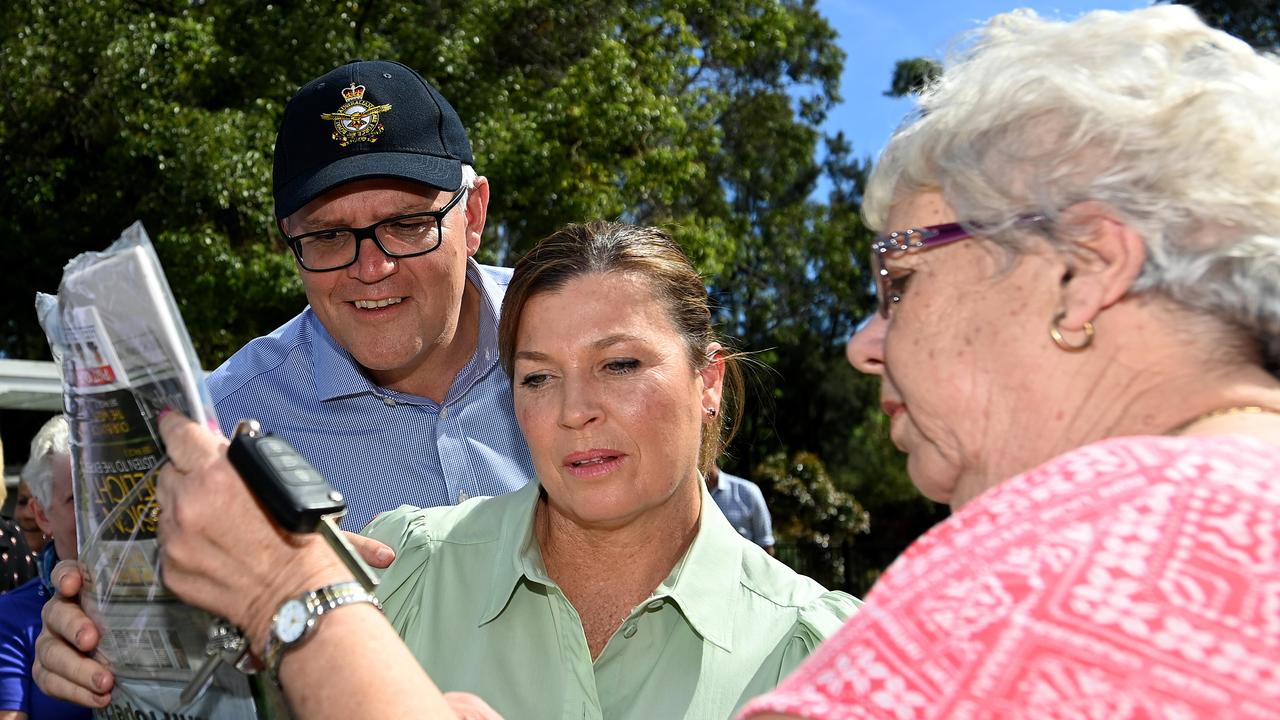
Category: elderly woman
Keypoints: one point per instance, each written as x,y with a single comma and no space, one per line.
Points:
1080,298
611,588
47,473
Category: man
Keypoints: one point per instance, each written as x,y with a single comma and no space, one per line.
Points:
389,381
48,475
743,504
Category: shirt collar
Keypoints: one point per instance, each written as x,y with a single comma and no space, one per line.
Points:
485,357
337,374
47,559
520,556
696,584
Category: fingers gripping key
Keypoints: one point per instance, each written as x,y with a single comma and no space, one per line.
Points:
296,494
300,500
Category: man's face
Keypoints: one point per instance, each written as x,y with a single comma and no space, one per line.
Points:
397,317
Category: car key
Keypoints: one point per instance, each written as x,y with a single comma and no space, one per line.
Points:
225,644
295,493
301,501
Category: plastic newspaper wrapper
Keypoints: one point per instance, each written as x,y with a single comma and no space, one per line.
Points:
125,357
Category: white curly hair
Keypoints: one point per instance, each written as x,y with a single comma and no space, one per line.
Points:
53,439
1174,125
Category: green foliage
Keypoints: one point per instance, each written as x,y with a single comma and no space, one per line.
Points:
699,115
1257,22
807,505
911,76
166,111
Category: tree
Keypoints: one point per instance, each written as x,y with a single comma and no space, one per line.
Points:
165,110
810,506
911,76
699,115
1257,22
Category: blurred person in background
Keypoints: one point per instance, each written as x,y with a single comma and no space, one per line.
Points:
25,515
1078,335
17,562
48,475
743,506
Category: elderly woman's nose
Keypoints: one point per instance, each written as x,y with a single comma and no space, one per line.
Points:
866,348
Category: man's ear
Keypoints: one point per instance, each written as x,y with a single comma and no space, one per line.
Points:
477,212
1103,261
42,520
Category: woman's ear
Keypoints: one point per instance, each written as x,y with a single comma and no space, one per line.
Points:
1103,261
713,377
42,520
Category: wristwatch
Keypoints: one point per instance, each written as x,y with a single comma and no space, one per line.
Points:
297,618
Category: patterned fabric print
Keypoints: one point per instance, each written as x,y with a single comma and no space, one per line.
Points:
17,563
1133,578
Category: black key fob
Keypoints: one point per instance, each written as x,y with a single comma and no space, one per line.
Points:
293,491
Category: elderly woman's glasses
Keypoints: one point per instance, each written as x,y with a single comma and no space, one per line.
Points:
906,241
888,293
401,236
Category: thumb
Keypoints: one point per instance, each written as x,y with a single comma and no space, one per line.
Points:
375,553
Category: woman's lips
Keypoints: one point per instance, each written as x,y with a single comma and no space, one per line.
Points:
892,408
592,463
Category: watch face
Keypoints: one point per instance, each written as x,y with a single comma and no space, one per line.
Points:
291,621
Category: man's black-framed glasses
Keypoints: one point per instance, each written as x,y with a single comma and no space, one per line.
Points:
402,236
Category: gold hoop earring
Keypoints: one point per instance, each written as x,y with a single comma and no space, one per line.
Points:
1055,333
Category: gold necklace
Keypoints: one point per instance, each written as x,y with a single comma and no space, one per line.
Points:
1235,410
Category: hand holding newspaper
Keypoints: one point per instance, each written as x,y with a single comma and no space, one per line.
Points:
126,356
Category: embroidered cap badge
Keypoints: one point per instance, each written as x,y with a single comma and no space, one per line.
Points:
356,120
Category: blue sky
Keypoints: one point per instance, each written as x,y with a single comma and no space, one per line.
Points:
876,33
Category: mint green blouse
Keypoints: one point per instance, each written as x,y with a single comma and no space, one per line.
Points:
470,595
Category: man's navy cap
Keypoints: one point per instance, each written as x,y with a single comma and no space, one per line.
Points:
366,119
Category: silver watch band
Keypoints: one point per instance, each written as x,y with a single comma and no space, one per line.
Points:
317,602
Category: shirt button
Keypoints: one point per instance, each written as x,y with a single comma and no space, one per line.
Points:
629,631
463,496
653,605
390,401
444,413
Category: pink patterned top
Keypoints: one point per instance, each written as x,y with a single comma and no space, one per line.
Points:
1132,578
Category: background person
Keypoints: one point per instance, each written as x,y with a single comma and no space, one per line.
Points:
1073,347
388,382
48,475
743,506
609,589
17,562
25,515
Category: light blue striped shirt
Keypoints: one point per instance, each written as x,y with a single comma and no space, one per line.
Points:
382,448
